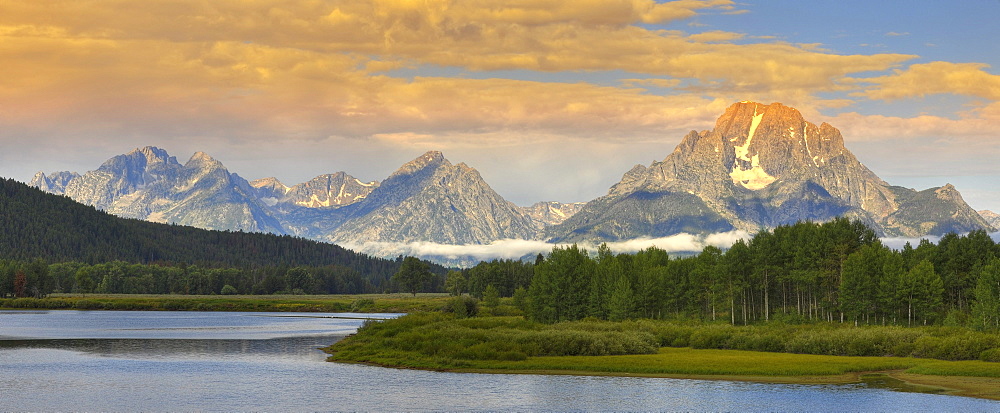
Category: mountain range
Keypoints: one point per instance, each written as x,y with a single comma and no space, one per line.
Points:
761,166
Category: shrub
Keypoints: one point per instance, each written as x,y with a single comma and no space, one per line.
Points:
463,306
87,305
992,354
716,337
362,305
229,290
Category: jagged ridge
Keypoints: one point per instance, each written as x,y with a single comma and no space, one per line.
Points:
761,166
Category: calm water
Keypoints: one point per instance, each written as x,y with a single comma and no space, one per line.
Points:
129,361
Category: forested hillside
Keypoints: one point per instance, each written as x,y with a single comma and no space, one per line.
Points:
130,256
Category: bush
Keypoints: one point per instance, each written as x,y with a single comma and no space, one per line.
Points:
716,337
362,305
753,339
463,306
88,305
992,354
229,290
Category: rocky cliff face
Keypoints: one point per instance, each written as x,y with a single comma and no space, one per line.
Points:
429,199
331,190
545,214
55,183
991,217
761,166
149,184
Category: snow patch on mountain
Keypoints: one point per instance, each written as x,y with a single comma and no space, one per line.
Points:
755,177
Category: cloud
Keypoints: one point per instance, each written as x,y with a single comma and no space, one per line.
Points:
515,249
478,35
715,36
663,83
972,126
919,80
310,70
898,243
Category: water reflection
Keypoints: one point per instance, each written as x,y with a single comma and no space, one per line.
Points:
287,347
122,361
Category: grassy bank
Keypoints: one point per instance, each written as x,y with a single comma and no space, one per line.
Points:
372,303
643,348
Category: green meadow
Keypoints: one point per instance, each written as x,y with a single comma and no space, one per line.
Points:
438,341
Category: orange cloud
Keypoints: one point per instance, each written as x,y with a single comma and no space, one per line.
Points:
919,80
974,126
322,68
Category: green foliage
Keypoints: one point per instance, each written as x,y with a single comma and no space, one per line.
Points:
560,289
437,339
491,297
504,275
362,305
463,306
621,303
521,298
921,291
801,273
58,244
455,283
413,275
986,308
992,355
440,341
228,290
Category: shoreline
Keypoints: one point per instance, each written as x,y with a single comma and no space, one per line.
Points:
346,303
987,388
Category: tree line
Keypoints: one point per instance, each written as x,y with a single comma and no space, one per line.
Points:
47,240
38,279
834,271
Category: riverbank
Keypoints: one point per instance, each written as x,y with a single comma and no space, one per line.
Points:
736,365
514,345
361,303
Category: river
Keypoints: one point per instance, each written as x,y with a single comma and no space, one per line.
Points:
187,361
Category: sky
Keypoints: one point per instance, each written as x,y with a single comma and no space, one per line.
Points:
550,100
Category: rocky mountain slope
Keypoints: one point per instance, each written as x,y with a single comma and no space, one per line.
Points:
761,166
545,214
991,217
331,190
429,199
149,184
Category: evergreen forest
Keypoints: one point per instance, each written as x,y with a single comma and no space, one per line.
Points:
837,271
51,243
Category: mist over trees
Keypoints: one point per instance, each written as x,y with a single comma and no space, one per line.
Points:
837,271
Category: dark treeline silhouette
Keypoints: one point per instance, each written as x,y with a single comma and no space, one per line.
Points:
50,243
